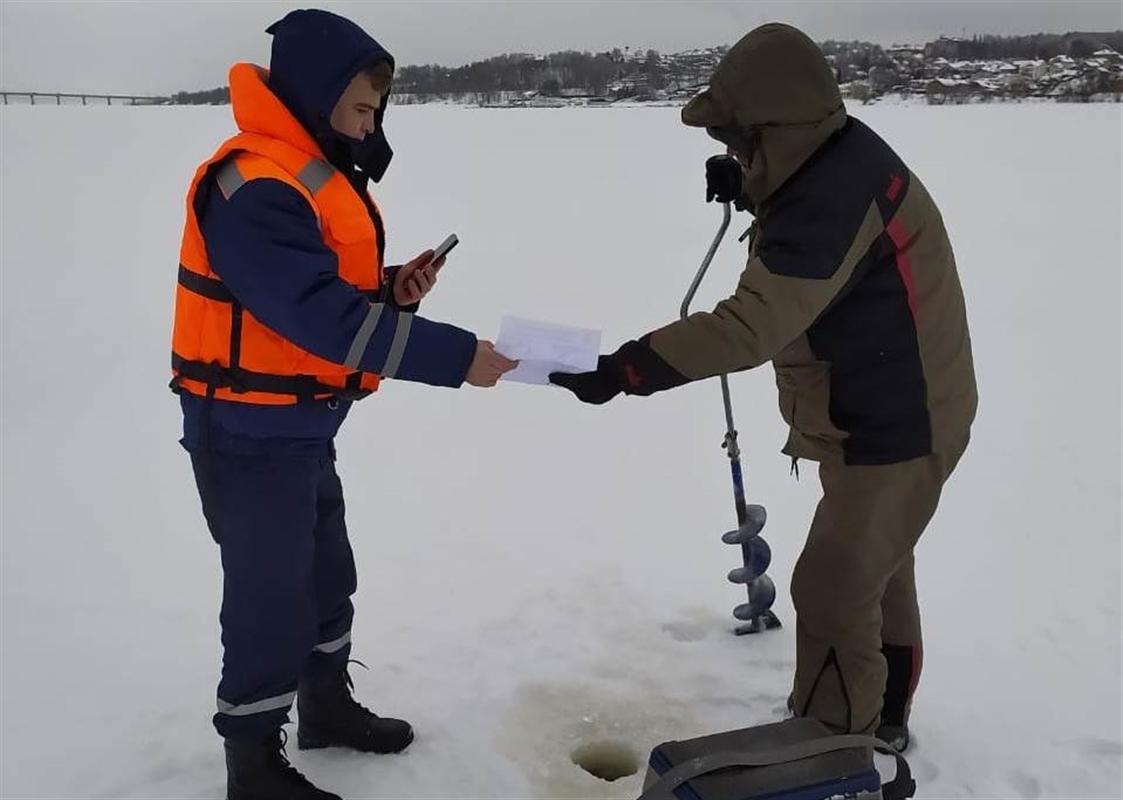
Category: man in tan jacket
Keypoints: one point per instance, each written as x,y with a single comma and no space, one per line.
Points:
851,291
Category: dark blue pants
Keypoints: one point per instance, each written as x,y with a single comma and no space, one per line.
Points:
288,577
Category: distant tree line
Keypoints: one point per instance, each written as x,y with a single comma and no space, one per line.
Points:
591,73
210,97
1035,46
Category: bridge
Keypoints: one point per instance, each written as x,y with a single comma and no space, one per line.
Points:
56,98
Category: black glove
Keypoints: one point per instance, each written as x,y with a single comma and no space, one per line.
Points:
635,369
592,387
723,179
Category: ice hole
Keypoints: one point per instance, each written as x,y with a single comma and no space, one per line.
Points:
607,760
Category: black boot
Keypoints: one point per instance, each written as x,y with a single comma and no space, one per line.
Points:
330,717
258,770
904,664
896,736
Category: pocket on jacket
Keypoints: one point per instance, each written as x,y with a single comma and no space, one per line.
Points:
805,396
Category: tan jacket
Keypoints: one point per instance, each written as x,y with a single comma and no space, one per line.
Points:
851,288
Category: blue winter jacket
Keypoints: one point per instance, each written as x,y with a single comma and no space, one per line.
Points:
265,244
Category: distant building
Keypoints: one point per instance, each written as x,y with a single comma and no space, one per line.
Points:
953,90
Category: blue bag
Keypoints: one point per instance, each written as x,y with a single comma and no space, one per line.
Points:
797,759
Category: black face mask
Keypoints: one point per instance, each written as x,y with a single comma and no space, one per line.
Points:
372,155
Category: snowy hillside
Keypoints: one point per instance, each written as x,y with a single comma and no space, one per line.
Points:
537,575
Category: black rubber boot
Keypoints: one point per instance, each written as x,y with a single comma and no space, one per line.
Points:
259,770
896,736
330,717
904,663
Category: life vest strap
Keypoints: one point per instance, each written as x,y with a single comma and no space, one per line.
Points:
240,380
214,289
209,288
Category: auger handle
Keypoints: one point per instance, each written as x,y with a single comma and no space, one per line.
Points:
684,309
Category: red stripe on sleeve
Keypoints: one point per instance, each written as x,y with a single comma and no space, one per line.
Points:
900,239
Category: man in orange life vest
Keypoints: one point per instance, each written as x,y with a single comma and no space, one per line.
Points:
284,315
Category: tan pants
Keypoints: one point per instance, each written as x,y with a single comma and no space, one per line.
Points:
854,588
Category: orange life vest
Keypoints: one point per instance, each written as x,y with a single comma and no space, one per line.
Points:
219,349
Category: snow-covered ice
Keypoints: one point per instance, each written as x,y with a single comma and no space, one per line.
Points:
538,576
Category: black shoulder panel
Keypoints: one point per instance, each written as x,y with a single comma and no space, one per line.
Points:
808,225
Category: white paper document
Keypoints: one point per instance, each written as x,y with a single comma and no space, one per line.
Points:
544,347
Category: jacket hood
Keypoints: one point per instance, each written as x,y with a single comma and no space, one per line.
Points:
315,54
776,88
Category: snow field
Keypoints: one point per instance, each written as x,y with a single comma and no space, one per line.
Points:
537,575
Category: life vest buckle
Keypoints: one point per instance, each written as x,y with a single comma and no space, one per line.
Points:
351,395
235,380
306,387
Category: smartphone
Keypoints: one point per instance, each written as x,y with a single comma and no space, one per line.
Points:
444,247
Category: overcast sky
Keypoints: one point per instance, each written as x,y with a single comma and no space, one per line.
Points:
161,46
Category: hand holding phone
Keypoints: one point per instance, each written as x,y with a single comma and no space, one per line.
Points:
445,247
416,278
